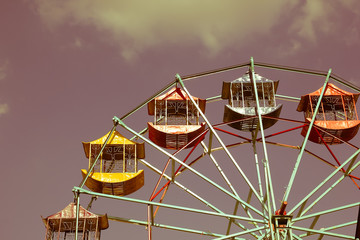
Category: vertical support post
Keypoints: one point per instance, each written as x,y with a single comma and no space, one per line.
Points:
77,196
83,238
58,238
242,95
198,114
47,230
150,219
263,94
124,158
166,112
231,220
291,181
343,103
357,233
97,230
136,161
273,95
231,96
357,117
101,162
187,111
210,142
89,157
155,113
323,111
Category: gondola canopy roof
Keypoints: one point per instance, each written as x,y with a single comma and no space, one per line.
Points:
174,94
331,90
246,81
115,139
69,212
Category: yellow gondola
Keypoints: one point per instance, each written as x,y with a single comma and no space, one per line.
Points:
116,170
242,103
337,115
176,119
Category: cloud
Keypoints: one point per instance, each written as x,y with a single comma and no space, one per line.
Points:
320,17
139,25
4,65
3,69
4,108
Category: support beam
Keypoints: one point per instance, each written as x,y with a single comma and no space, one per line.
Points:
188,167
268,180
240,233
98,156
169,227
325,181
187,190
292,178
175,207
326,212
328,190
219,139
308,230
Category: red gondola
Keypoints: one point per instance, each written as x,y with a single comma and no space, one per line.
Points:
337,116
176,119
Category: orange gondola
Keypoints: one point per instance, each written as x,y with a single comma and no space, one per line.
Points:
337,117
241,109
116,171
176,119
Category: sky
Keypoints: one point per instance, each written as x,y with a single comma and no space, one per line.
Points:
67,67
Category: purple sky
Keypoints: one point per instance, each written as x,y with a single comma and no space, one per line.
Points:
67,67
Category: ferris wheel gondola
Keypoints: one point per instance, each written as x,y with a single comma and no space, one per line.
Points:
176,119
241,109
236,183
62,225
337,117
116,173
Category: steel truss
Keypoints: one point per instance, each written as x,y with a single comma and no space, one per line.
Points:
259,201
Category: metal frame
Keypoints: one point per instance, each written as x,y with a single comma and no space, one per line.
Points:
260,211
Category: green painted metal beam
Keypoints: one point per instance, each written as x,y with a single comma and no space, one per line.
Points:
331,234
188,167
98,156
148,100
220,141
292,178
187,190
169,227
268,180
175,207
287,97
212,72
226,179
330,188
334,227
301,202
240,233
326,212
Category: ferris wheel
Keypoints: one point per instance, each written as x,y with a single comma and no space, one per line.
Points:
232,155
